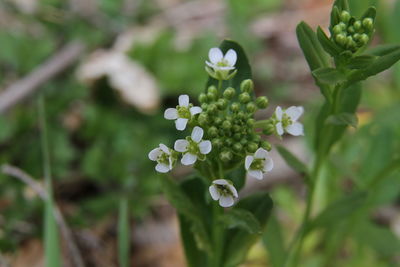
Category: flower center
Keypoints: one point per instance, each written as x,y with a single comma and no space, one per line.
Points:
193,148
163,159
223,190
286,120
257,164
223,63
183,112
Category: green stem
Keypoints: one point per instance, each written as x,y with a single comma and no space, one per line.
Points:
218,235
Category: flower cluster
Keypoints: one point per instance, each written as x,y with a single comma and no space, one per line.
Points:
350,33
224,132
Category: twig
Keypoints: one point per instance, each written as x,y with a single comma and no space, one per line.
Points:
19,174
21,89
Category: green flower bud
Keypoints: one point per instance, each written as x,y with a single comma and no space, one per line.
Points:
212,108
229,93
237,136
350,29
364,39
226,125
356,36
357,25
244,98
216,142
212,131
251,147
203,98
368,23
229,141
256,138
337,29
203,119
349,41
213,90
269,129
204,106
251,107
340,39
211,96
243,141
226,155
247,86
266,145
262,102
235,107
345,16
236,128
217,121
222,103
343,26
250,122
237,147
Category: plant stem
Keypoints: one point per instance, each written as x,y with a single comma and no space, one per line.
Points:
217,235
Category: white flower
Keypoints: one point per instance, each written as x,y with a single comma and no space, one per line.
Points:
164,156
287,121
194,148
223,191
220,62
258,164
182,113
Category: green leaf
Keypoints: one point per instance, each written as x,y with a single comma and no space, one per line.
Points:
273,240
329,46
238,242
292,160
51,238
338,210
383,50
238,177
242,65
123,233
343,119
360,62
243,219
329,75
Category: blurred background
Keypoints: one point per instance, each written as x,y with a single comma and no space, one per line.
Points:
109,68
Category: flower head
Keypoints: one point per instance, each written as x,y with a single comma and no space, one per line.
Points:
220,65
194,147
286,121
182,113
165,158
223,191
258,164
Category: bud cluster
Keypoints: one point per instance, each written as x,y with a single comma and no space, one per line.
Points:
228,121
352,34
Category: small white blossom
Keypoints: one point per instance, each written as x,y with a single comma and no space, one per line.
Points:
220,65
194,148
223,191
182,113
287,121
164,158
258,164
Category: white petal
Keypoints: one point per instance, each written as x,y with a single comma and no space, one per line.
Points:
154,154
226,201
268,165
214,192
163,168
215,55
261,153
188,159
195,110
221,182
211,65
279,128
294,112
183,100
205,147
197,134
171,114
248,161
181,145
295,129
256,174
181,123
223,68
165,149
231,57
233,190
279,113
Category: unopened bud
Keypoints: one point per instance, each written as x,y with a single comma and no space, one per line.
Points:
252,147
250,122
203,119
266,145
212,96
237,147
229,141
235,107
251,107
212,108
247,86
350,29
244,98
212,89
212,131
237,136
357,25
364,38
340,39
337,29
227,125
226,155
217,121
202,98
368,23
216,142
345,16
222,103
229,93
262,102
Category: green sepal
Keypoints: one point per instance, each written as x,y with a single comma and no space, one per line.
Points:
370,13
335,18
360,62
329,75
243,219
342,5
327,44
344,118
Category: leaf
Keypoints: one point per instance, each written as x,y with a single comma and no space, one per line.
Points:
123,233
243,219
292,160
338,210
360,62
335,17
329,75
242,65
329,46
238,242
343,119
51,237
382,50
273,240
238,177
342,5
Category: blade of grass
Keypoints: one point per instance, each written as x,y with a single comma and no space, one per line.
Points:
51,238
123,232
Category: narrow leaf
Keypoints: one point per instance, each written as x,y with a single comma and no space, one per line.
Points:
329,75
382,50
292,160
273,240
239,218
329,46
343,119
361,62
51,236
